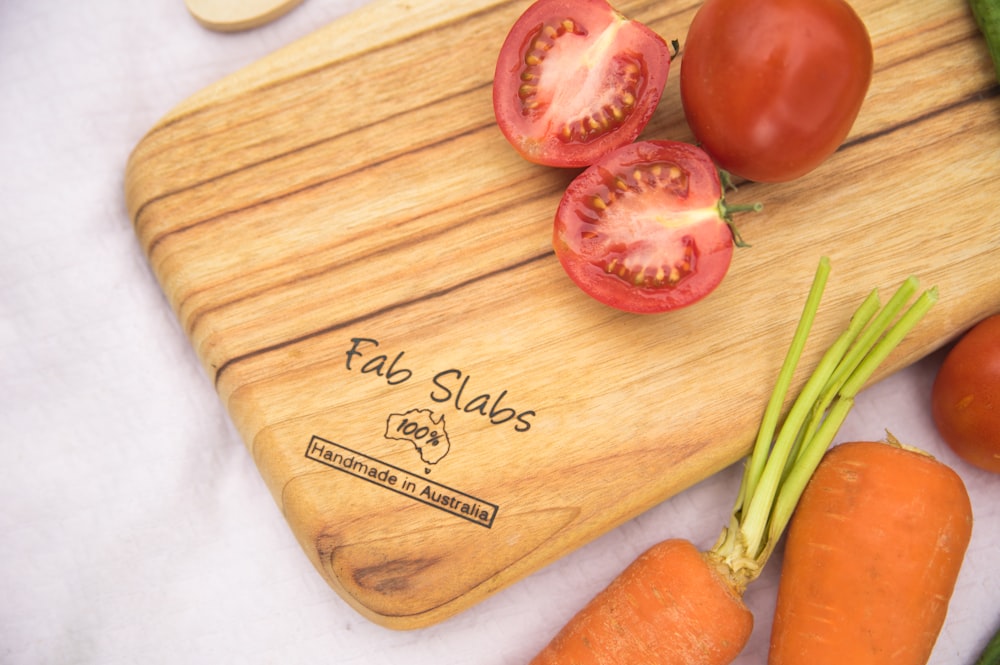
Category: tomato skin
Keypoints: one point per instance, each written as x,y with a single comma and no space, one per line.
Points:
965,398
643,229
771,88
576,79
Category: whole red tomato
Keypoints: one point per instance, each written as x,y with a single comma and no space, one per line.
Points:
965,399
576,79
771,88
645,229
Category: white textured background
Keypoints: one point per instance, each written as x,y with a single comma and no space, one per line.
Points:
133,525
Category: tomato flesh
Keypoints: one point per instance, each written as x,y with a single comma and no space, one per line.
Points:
575,79
771,88
965,398
643,229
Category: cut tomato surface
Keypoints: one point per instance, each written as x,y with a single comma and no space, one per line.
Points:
645,229
576,79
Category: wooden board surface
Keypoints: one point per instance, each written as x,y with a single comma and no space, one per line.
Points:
352,192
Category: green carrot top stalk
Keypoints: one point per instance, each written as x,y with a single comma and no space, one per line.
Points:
784,458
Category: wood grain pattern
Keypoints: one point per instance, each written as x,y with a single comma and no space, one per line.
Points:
354,186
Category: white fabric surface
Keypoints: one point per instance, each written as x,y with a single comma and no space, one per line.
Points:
134,527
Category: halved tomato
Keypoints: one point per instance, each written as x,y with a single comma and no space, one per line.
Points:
576,79
646,228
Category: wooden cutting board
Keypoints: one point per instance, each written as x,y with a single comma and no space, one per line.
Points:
364,267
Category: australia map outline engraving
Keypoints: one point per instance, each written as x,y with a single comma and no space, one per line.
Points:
424,431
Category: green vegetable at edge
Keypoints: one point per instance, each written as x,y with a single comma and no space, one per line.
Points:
987,14
991,654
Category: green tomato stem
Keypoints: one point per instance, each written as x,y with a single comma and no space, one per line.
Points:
726,210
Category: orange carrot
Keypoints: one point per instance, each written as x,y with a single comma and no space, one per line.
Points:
671,605
871,559
677,605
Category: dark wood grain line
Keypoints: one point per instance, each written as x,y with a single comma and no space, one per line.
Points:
425,297
946,47
159,238
972,98
141,210
192,322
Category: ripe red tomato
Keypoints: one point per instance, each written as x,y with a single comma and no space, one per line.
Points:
575,79
965,399
771,88
645,229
